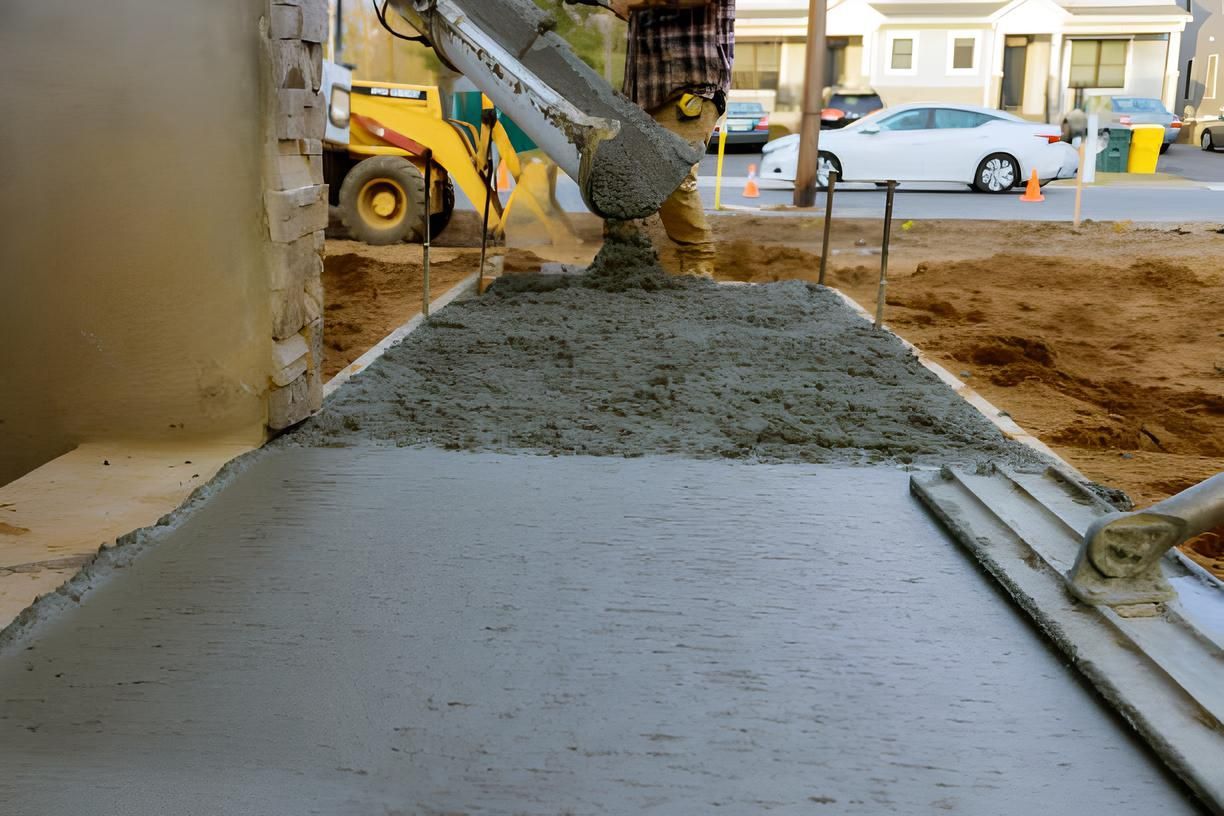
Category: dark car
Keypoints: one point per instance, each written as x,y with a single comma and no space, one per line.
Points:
1212,138
747,124
846,107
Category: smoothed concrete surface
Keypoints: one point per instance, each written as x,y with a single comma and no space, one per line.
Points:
380,631
57,517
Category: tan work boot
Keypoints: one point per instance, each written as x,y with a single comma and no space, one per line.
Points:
697,267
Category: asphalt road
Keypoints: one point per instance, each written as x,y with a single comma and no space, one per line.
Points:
1193,163
1187,161
1141,200
1142,204
340,632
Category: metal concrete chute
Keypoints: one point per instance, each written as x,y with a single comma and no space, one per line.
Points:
625,163
1141,621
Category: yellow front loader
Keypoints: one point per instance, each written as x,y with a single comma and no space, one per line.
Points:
381,136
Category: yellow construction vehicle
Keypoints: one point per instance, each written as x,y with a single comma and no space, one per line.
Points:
384,139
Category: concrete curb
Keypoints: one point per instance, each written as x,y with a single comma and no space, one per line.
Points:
463,288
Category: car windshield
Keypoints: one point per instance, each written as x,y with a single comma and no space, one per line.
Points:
1137,104
856,103
872,118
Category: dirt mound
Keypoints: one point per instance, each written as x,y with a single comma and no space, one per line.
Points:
1003,351
752,262
1165,276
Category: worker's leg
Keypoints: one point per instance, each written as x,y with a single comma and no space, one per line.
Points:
683,214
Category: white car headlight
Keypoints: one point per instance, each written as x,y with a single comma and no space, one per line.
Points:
339,110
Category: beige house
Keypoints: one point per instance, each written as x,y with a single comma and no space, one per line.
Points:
1031,57
1202,97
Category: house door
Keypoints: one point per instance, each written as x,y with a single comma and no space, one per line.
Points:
1015,60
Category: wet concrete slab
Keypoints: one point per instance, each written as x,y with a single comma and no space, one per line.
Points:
412,631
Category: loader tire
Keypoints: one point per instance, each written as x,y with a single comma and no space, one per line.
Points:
381,200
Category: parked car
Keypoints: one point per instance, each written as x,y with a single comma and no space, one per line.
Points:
1212,138
846,107
989,150
1123,112
747,124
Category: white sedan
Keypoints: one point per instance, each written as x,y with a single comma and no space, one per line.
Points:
987,149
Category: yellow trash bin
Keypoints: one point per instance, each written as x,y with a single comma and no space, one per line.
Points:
1145,148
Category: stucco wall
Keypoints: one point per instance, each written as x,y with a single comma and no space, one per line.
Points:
930,80
134,249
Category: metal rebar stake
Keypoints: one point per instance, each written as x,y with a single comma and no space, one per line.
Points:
828,223
425,243
882,293
489,121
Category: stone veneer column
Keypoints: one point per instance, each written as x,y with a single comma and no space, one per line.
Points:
295,203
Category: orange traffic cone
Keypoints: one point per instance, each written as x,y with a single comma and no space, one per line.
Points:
750,188
1033,191
503,176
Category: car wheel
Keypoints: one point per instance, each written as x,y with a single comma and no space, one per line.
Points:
824,163
1206,141
1164,148
997,173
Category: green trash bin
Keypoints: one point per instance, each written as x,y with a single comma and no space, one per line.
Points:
466,108
1114,158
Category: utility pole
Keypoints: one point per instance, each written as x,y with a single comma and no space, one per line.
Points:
813,104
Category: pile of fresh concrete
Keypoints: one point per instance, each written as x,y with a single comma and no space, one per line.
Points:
643,364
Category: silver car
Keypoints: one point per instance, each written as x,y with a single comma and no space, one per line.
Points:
1123,112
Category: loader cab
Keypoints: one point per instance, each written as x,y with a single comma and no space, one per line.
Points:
337,89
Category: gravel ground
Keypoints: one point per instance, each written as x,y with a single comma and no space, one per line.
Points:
779,372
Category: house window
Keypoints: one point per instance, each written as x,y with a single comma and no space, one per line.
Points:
757,65
1189,77
1213,74
1098,63
964,53
902,54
